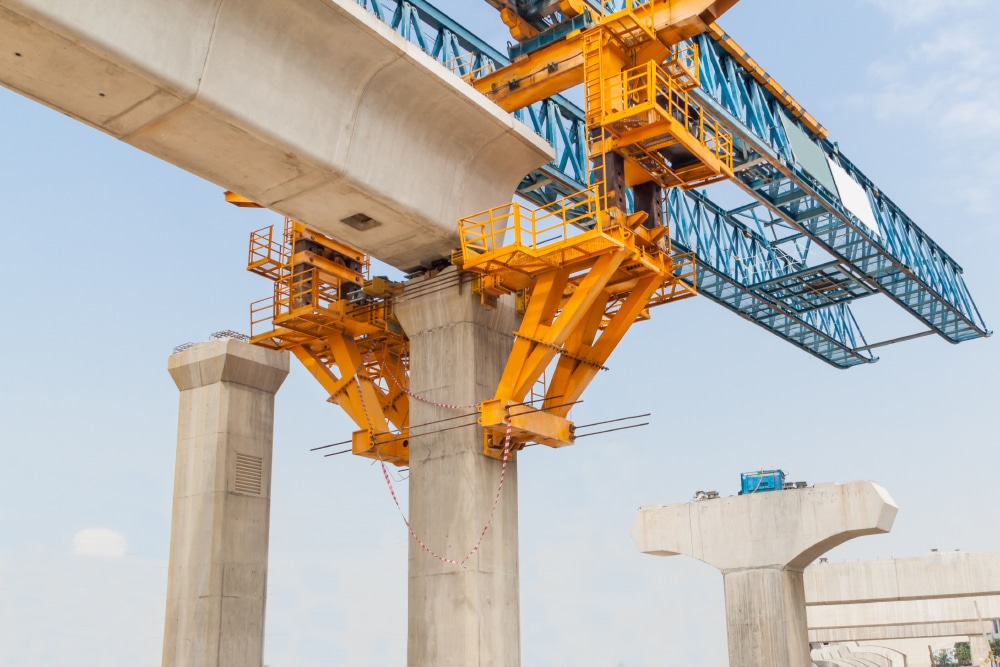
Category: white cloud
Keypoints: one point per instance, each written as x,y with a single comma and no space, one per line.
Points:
944,87
99,542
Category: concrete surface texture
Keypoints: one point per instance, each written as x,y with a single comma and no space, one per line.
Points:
936,597
458,616
313,108
217,577
851,654
761,543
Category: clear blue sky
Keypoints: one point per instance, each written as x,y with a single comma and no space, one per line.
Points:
113,258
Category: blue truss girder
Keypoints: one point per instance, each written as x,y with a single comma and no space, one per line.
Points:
901,260
731,257
828,333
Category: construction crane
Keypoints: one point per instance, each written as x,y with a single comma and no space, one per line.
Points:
623,223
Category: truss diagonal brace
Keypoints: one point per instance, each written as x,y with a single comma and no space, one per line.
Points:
546,326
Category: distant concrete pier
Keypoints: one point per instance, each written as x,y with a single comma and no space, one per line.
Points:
761,543
217,579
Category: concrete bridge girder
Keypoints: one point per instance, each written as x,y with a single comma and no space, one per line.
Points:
312,108
936,599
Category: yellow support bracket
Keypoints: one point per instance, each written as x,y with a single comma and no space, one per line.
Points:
587,272
340,325
527,424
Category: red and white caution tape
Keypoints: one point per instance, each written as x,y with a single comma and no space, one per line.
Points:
489,520
395,499
409,393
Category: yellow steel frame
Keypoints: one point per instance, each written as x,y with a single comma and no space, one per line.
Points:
591,271
644,111
587,269
356,351
648,30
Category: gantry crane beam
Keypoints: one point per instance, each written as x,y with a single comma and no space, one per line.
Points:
728,268
646,96
734,261
806,181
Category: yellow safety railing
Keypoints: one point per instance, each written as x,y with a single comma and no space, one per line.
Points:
262,317
514,225
682,65
646,94
266,254
703,127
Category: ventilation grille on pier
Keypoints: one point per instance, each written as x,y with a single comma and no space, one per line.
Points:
249,470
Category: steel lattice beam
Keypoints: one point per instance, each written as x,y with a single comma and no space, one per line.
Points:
899,259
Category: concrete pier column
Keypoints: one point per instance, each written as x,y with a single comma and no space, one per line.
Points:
458,616
761,543
217,576
979,647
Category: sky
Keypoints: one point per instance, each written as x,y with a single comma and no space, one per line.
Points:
114,257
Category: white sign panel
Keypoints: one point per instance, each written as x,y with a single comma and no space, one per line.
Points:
854,197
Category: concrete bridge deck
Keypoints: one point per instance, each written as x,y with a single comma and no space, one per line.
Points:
312,108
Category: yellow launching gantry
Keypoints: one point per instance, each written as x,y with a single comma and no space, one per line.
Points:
585,268
339,323
587,271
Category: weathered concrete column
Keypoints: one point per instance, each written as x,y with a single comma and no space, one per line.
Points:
458,616
217,577
761,543
979,647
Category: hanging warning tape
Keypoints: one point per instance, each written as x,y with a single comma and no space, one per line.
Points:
409,393
392,490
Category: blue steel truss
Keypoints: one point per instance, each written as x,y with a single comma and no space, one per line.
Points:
793,259
900,259
736,263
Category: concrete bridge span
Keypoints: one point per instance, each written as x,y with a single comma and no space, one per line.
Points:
312,108
906,603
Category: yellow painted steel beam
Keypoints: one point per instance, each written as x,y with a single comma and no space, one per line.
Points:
546,72
528,424
335,386
240,200
559,66
571,376
517,380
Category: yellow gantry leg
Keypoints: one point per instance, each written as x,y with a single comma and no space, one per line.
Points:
543,332
575,370
584,292
382,415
